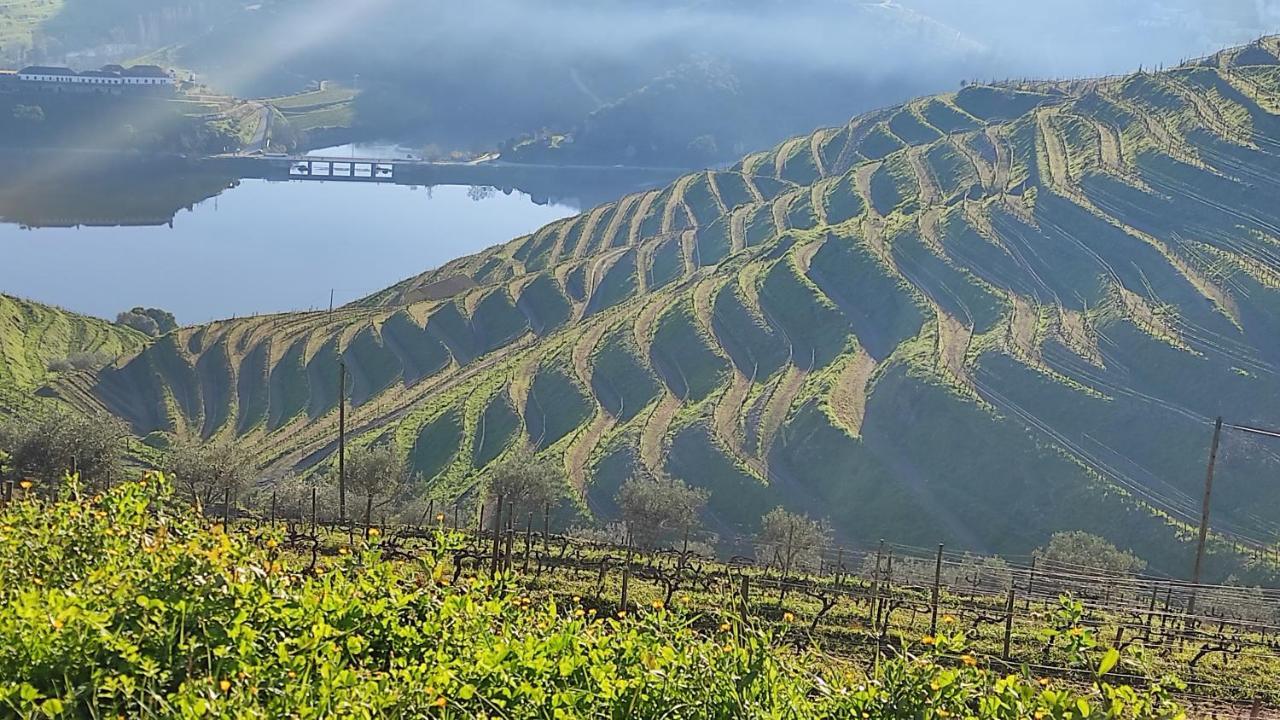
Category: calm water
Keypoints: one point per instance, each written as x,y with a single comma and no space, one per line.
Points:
256,247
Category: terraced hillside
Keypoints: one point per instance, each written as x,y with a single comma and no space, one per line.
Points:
975,318
34,336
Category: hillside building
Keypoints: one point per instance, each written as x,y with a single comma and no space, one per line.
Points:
111,78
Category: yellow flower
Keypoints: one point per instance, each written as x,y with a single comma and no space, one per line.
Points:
622,613
578,613
577,598
942,712
271,544
440,517
928,640
25,484
1044,682
440,702
225,685
1039,715
57,624
949,619
724,627
657,604
969,660
374,532
788,617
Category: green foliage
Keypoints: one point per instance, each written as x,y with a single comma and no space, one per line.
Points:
1076,549
46,447
526,483
205,473
792,540
127,604
658,509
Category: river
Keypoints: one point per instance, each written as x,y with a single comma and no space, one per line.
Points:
206,247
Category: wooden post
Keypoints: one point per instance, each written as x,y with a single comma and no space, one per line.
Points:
1008,623
786,563
684,550
313,513
226,510
873,612
1031,582
497,539
886,605
746,596
546,527
937,592
1151,613
528,541
626,574
273,509
1204,517
342,441
511,536
480,523
839,573
368,512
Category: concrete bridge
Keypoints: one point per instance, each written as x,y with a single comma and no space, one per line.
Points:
354,169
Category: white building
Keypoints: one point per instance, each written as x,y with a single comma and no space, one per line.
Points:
111,75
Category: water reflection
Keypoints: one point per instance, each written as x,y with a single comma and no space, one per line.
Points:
206,245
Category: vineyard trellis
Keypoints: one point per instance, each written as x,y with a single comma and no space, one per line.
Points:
865,601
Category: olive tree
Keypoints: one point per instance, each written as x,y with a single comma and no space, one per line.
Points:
209,472
1074,550
46,448
791,540
380,473
525,483
656,509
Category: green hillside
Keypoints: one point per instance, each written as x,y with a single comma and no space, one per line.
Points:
975,318
33,337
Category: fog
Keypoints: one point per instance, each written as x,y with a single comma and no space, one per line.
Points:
647,80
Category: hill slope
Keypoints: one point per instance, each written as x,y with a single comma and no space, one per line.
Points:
34,336
975,318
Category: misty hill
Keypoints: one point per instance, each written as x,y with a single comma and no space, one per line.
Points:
618,81
974,318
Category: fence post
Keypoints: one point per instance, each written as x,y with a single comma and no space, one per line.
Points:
546,527
497,537
273,509
313,514
746,596
480,526
528,541
1008,623
886,605
937,592
684,550
511,536
873,612
226,510
786,563
839,572
626,575
1031,583
1151,613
